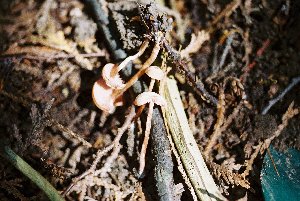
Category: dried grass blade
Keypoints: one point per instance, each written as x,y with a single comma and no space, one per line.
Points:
192,159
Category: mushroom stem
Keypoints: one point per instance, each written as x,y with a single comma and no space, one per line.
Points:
142,99
146,138
142,71
151,85
130,58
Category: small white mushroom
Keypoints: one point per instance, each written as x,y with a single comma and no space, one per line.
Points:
103,97
115,81
110,72
151,98
155,73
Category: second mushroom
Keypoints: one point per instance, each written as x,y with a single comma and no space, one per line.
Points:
155,73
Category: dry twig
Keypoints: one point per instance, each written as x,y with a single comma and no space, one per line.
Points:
290,113
272,102
262,146
249,163
220,120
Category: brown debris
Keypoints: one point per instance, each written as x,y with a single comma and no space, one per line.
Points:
51,53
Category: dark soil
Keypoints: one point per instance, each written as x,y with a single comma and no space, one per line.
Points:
52,52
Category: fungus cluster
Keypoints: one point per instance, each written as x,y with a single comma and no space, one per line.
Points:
104,90
108,91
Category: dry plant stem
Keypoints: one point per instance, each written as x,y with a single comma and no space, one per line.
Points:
272,102
70,133
175,152
108,163
146,139
182,68
217,133
222,127
142,71
249,163
231,117
262,146
29,172
225,52
200,89
273,162
195,44
105,150
192,159
290,113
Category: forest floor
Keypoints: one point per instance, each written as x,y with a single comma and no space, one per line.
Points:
53,51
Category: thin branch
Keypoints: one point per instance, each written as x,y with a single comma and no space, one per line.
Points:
272,102
220,121
290,113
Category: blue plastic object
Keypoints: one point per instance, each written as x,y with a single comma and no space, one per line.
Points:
286,185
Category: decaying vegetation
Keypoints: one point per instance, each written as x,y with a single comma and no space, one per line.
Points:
237,69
